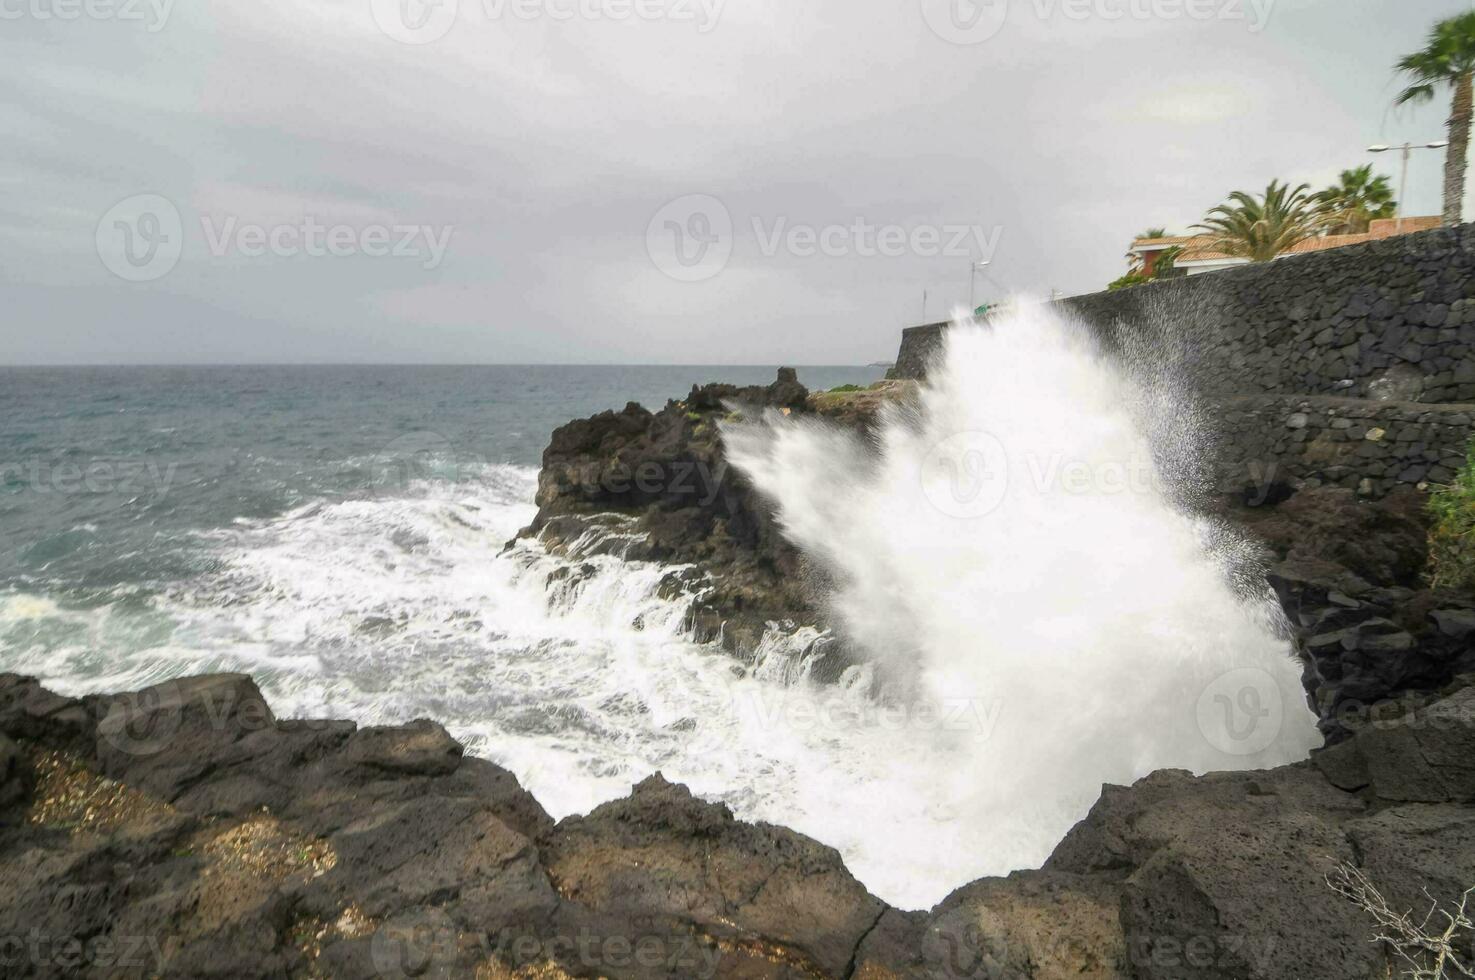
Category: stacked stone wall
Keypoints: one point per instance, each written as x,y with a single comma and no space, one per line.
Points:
1352,366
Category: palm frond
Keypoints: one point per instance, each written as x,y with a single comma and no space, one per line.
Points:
1415,95
1261,228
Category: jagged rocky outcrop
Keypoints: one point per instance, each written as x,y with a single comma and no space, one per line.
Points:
1347,568
183,831
1348,572
656,486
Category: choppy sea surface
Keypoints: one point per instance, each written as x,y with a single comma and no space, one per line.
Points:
341,534
338,533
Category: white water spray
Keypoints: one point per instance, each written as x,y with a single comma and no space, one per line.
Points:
1035,636
1016,541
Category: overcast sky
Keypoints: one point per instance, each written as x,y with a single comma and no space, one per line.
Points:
637,181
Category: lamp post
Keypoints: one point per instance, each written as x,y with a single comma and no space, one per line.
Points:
1408,149
973,268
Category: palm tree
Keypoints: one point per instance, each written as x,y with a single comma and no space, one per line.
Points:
1449,60
1261,228
1350,205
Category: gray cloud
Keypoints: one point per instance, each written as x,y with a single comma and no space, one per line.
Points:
540,146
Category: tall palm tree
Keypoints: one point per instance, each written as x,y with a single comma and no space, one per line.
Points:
1350,205
1449,59
1260,228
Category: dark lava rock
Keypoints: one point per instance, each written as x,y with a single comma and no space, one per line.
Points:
656,486
1348,573
244,846
15,775
663,854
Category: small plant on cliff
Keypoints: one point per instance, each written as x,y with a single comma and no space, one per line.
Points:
1449,59
1435,948
1260,228
839,389
1452,536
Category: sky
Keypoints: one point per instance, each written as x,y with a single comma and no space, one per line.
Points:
639,181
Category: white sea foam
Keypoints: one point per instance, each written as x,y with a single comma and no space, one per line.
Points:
1022,657
1017,539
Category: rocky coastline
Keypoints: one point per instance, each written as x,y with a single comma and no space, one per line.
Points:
1346,568
655,486
183,830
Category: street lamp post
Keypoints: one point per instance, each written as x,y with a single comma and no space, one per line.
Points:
973,268
1408,149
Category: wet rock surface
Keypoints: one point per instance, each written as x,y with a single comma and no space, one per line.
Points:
194,834
656,486
1348,571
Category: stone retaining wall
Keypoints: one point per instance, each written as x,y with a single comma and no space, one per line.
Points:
1352,367
1357,443
1391,319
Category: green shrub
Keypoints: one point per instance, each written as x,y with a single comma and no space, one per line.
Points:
843,388
1130,279
1452,536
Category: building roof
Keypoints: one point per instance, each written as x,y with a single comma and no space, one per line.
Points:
1199,248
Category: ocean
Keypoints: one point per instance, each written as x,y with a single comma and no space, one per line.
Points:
342,535
338,533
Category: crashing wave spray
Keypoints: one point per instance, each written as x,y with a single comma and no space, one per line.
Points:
1015,543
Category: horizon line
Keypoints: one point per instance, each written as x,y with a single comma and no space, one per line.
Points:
316,364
